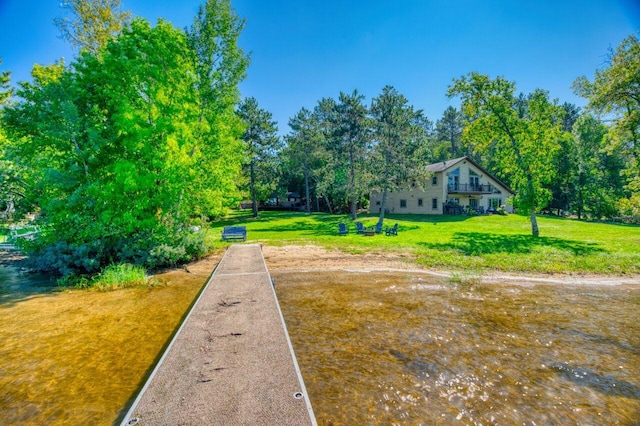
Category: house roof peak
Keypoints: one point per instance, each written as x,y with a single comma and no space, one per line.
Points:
447,164
443,165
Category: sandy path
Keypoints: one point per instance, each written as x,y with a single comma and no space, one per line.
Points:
311,258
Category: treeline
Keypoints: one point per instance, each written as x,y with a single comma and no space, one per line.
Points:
559,159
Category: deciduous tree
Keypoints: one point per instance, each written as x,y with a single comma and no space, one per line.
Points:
615,90
111,142
89,24
524,135
220,66
597,182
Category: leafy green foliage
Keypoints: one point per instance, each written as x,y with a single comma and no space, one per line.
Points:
11,186
220,65
597,181
118,146
522,134
615,90
89,24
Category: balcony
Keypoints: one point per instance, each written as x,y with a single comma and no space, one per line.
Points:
464,188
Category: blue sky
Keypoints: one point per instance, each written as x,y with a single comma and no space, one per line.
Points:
303,50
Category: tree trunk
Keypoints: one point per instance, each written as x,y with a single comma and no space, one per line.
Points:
254,201
353,199
324,195
306,187
326,200
534,223
382,207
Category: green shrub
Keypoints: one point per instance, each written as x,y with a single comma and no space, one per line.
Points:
148,250
166,255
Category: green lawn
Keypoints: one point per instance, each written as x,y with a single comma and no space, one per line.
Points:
461,243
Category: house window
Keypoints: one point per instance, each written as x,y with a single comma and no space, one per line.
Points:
495,202
434,203
454,180
419,202
403,203
474,181
434,180
377,203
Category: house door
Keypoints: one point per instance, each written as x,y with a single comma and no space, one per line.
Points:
474,183
454,181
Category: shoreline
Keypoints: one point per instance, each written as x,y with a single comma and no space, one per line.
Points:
311,258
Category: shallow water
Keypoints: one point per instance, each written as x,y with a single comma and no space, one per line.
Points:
79,356
395,348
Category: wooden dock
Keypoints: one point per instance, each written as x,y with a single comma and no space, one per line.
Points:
231,362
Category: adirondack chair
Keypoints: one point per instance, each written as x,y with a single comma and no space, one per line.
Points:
392,231
342,229
379,228
360,227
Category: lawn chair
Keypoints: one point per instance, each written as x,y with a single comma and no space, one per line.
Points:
379,228
359,227
392,231
342,229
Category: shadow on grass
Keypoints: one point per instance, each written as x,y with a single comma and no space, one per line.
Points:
478,243
591,222
310,225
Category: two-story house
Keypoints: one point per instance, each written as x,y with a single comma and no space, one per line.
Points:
455,187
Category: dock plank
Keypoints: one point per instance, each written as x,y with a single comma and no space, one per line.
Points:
231,362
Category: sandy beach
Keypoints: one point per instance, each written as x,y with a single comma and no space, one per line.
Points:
310,258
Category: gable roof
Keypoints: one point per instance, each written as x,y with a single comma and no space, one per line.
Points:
445,165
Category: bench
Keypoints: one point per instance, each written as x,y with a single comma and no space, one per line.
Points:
234,233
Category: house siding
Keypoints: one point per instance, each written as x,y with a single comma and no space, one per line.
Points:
428,192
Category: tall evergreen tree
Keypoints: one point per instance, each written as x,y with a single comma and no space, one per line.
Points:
449,131
262,145
304,148
350,135
399,148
